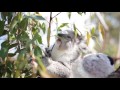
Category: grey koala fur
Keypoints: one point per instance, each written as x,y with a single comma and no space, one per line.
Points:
63,53
93,66
64,59
56,68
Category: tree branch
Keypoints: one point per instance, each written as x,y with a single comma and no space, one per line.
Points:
118,53
102,21
49,30
56,15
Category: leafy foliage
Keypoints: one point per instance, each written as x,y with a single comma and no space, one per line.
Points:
23,35
18,27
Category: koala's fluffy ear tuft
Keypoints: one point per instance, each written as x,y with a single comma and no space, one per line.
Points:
111,60
78,39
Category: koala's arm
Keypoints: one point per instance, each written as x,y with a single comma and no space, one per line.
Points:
56,68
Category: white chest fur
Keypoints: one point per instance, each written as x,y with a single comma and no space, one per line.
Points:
64,55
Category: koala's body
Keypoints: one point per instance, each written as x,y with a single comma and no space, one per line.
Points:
64,59
93,66
65,51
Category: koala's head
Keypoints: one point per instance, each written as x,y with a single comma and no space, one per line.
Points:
67,39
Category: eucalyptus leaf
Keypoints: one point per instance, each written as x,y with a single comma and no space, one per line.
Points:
13,45
101,30
37,17
80,13
43,27
21,55
4,49
3,15
75,30
37,37
23,24
56,19
1,27
92,31
14,22
88,38
11,54
23,36
42,67
62,25
20,16
37,51
69,15
10,15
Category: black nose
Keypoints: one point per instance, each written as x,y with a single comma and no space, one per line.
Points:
111,60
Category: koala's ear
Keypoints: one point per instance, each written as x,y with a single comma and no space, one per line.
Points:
111,60
78,39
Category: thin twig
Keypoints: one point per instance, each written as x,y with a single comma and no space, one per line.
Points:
56,15
46,20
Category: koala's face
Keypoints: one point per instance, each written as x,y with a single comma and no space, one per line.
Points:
67,40
64,41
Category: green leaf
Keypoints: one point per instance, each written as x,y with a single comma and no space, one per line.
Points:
11,54
37,17
37,12
92,31
4,49
3,15
21,55
4,32
69,15
80,13
56,19
88,38
24,23
62,25
10,15
23,37
75,30
1,27
43,27
5,44
101,30
37,37
13,22
10,66
37,51
42,67
13,45
20,16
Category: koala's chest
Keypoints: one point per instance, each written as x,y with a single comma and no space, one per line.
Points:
60,55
